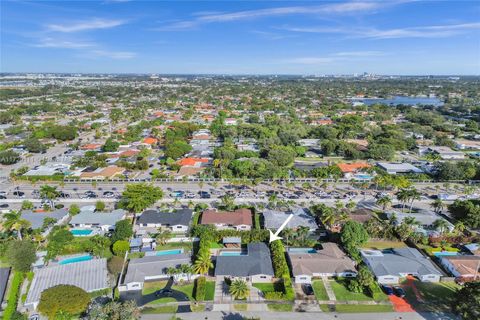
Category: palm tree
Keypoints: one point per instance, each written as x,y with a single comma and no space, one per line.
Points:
384,202
49,192
272,200
163,236
302,233
13,222
239,289
403,196
287,233
172,272
441,225
228,202
186,269
203,263
460,226
329,218
413,195
437,205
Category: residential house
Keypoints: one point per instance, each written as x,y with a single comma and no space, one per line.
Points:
240,219
424,218
464,268
445,153
150,268
92,147
351,170
273,219
102,173
97,221
390,266
253,265
330,261
464,144
90,275
151,220
396,168
36,218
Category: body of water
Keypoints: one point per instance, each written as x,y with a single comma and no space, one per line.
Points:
76,259
410,101
81,232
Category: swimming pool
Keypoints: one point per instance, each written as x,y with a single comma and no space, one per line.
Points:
81,232
167,252
362,176
232,253
445,253
76,259
301,250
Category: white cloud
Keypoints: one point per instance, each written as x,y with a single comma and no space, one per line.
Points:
113,54
55,43
353,7
85,25
436,31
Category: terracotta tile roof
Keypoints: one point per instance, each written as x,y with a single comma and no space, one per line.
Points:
91,146
352,167
238,217
128,153
191,161
150,140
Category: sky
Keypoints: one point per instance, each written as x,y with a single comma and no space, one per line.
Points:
400,37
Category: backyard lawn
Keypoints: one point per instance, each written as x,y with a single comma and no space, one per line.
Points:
343,294
352,308
437,296
187,246
319,289
380,245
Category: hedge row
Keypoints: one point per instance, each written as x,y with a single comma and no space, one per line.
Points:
200,288
12,299
280,265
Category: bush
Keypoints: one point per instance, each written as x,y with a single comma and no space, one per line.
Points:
115,265
374,291
99,206
66,298
21,254
274,295
289,293
200,288
12,299
120,247
278,258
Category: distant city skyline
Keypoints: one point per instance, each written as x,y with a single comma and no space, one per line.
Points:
398,37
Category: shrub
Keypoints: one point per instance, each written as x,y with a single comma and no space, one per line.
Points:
374,291
12,299
289,293
120,247
278,258
200,288
274,295
65,298
21,254
115,265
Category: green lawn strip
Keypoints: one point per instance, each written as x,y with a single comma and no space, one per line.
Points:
240,307
320,291
151,287
185,288
324,307
165,309
380,245
187,246
279,307
13,292
210,291
353,308
437,296
215,245
343,294
162,300
264,287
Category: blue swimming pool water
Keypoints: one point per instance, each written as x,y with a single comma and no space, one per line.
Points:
167,252
301,250
445,253
76,259
232,253
81,232
363,176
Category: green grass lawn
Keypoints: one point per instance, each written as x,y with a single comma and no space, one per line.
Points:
165,309
280,307
437,297
162,300
380,245
264,287
343,294
215,245
209,290
352,308
187,246
319,289
240,307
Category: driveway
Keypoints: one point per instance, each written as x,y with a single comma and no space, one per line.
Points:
142,300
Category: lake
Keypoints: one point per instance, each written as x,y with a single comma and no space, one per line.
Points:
410,101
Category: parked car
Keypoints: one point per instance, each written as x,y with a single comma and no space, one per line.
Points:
204,195
164,292
177,194
63,195
387,289
399,292
307,289
89,194
108,194
19,194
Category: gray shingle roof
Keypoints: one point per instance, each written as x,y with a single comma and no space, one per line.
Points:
179,217
4,274
401,260
274,219
151,266
257,261
91,275
99,218
36,218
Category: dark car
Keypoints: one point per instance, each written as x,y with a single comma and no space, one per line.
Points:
4,205
387,289
307,289
3,196
399,292
204,195
164,292
19,194
63,195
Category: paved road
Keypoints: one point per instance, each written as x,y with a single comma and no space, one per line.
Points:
304,316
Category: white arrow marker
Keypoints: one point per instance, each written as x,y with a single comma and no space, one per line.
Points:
274,236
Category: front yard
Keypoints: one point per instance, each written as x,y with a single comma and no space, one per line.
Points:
342,293
186,288
319,290
437,297
383,244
